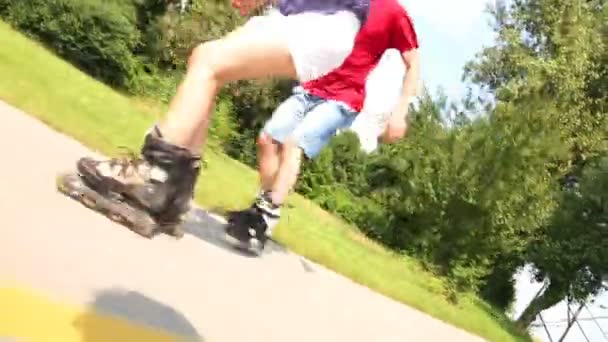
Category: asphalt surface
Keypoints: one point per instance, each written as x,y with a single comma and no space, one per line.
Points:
197,286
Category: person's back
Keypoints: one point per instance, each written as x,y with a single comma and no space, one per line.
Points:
359,7
388,26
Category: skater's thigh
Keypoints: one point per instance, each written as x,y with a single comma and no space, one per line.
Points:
320,125
252,51
288,115
302,47
319,43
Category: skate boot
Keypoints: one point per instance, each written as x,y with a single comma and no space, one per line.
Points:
150,193
252,227
234,215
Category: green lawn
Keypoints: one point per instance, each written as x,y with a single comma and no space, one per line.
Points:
71,102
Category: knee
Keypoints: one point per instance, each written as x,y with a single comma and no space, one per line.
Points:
203,61
264,141
290,143
291,149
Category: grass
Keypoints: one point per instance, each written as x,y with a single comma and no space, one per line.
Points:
69,101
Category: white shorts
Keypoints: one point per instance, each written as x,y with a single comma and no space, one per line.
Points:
318,43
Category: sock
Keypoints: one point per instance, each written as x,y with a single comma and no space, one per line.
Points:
271,211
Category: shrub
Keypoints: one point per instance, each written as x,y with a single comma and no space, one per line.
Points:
99,37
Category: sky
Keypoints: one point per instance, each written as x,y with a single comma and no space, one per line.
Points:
450,33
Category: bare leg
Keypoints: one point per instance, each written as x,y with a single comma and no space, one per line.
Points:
268,160
240,55
287,176
264,214
275,186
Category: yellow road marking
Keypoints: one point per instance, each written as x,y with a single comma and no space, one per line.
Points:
29,316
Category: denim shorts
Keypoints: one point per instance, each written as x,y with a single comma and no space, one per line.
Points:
309,121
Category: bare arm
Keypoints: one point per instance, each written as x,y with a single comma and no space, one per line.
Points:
397,125
411,60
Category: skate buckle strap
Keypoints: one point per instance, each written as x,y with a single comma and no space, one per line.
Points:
266,206
158,174
125,165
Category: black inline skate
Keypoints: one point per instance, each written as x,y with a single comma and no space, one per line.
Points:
150,193
252,227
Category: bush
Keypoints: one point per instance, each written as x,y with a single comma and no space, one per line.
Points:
170,36
498,287
4,4
99,37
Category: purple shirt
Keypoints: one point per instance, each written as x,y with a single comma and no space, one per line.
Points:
359,7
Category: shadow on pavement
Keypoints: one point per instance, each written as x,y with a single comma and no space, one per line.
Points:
210,228
150,320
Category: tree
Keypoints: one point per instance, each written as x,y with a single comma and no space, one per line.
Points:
558,48
571,254
462,196
553,52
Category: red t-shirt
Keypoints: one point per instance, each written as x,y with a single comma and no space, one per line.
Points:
388,26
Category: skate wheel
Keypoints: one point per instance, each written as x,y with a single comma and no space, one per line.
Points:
116,218
173,230
144,226
64,183
239,241
177,233
89,203
256,247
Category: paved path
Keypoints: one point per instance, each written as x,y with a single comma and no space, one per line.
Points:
72,262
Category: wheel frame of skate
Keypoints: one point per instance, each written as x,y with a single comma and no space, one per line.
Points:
113,207
250,245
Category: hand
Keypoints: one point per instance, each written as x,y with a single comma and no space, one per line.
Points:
395,129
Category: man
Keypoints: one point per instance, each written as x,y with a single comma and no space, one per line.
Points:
303,40
306,122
